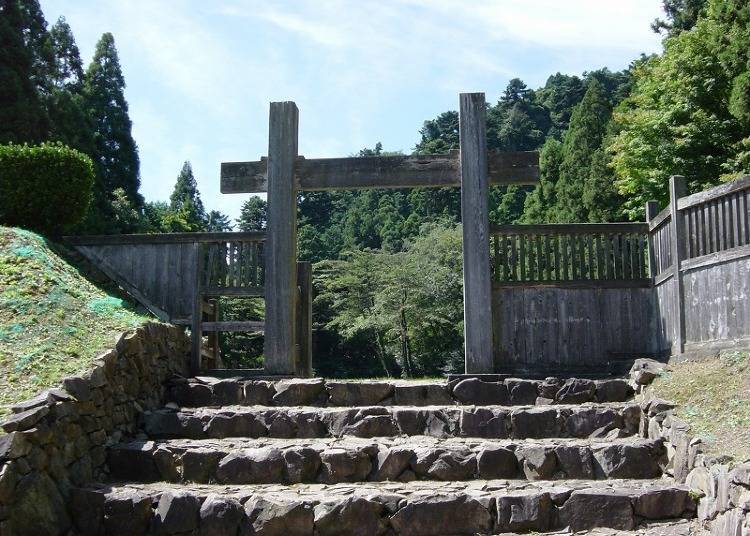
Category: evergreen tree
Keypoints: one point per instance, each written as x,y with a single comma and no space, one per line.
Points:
115,152
22,117
68,71
39,45
560,94
538,204
218,222
185,202
253,214
588,126
69,122
681,15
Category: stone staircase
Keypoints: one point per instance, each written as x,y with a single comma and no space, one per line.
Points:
301,457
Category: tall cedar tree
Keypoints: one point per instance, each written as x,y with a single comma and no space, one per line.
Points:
185,200
39,45
115,152
69,121
588,126
22,116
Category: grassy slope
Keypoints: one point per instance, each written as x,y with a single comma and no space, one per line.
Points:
53,321
714,398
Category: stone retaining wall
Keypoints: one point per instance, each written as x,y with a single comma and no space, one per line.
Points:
58,439
722,484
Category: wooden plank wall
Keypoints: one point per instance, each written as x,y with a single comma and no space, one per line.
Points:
162,274
162,271
664,308
717,300
541,330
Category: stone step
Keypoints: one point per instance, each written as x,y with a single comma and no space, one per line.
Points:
333,461
679,527
211,391
414,508
500,422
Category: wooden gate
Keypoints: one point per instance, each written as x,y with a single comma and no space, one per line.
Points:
284,173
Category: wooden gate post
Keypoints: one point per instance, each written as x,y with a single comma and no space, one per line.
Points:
281,252
476,243
652,210
678,189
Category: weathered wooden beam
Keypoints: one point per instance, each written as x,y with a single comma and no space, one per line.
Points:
476,245
570,228
196,319
281,241
239,325
677,190
743,183
402,171
164,238
580,284
652,210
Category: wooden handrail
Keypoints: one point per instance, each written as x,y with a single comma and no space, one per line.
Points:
742,183
165,238
660,218
569,228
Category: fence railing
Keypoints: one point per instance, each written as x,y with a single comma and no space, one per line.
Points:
710,222
569,253
235,265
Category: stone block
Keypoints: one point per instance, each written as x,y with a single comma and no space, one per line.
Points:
497,462
358,393
220,516
477,392
523,512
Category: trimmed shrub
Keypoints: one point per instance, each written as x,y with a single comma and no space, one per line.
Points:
44,187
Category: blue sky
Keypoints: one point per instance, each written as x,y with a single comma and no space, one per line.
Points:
200,74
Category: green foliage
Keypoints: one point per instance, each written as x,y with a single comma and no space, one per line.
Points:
405,306
218,222
185,201
253,214
45,187
582,170
681,15
538,206
679,121
22,116
560,95
115,154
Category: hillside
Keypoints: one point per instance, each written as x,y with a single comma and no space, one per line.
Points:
713,396
53,321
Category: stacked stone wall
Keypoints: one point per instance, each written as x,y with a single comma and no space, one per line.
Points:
721,483
59,439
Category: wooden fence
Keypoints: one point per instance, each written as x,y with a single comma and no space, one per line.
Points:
570,297
701,267
591,297
178,277
604,252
